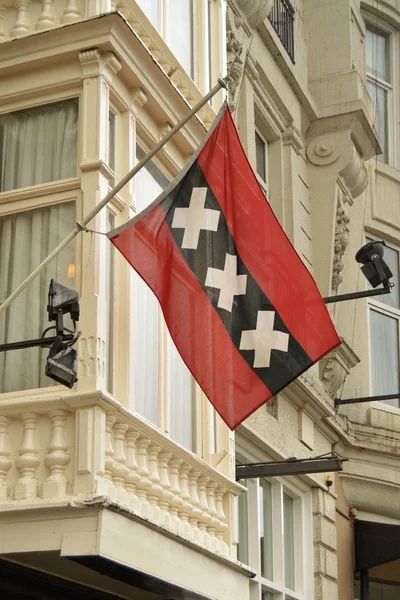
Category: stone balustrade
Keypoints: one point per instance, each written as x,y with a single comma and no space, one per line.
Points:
24,17
80,447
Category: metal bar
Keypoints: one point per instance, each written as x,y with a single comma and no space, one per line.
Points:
41,342
338,401
355,295
289,467
364,585
221,83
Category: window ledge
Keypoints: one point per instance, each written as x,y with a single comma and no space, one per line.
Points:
384,416
44,189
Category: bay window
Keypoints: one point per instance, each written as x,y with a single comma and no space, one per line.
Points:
38,145
384,321
162,389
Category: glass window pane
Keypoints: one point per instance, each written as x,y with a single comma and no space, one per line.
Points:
243,518
261,158
391,258
151,9
179,31
384,354
377,53
379,98
26,238
145,312
288,537
110,305
265,525
38,145
181,399
111,143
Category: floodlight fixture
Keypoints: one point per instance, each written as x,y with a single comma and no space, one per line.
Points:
61,365
373,266
62,300
375,270
327,463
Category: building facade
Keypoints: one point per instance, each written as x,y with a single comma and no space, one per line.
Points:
125,485
317,112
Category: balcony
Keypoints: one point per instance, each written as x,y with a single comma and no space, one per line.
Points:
281,18
83,449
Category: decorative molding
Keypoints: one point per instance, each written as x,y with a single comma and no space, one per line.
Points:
355,174
256,11
324,150
335,367
138,99
292,137
342,232
234,56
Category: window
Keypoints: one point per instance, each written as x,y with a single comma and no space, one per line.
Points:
384,321
111,144
271,538
38,145
262,161
173,19
163,388
378,66
26,238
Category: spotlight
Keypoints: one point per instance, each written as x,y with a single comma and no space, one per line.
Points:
62,365
62,300
373,266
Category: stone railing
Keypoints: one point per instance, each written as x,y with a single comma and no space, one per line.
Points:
23,17
81,447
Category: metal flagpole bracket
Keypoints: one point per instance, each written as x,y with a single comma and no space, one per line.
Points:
386,289
327,463
339,401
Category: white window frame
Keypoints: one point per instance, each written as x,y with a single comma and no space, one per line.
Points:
374,303
391,87
263,184
164,412
303,553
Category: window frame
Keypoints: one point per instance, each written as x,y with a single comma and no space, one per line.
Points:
163,356
391,87
374,303
303,548
263,184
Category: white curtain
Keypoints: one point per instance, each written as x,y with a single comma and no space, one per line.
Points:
26,238
38,145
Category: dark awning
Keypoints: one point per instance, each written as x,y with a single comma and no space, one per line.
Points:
375,544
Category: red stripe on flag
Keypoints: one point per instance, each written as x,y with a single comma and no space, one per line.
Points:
262,243
204,343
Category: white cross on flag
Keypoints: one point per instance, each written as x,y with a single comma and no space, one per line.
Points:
241,307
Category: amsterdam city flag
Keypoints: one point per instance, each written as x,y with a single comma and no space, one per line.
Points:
241,307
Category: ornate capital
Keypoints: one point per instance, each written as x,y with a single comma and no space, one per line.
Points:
335,366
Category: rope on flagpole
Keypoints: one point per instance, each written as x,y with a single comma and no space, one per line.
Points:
80,226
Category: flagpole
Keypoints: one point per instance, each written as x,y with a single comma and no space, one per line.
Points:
80,226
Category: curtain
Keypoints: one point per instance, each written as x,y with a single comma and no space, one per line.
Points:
38,145
26,238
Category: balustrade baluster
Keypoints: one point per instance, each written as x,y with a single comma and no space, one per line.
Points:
167,495
186,506
71,12
28,461
57,458
223,525
196,512
120,470
212,526
5,462
47,17
144,485
205,518
109,462
2,22
22,24
176,501
132,478
156,490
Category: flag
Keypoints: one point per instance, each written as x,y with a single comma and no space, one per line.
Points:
243,310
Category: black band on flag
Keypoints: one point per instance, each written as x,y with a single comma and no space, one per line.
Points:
210,252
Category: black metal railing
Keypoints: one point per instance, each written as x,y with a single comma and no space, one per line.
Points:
281,18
